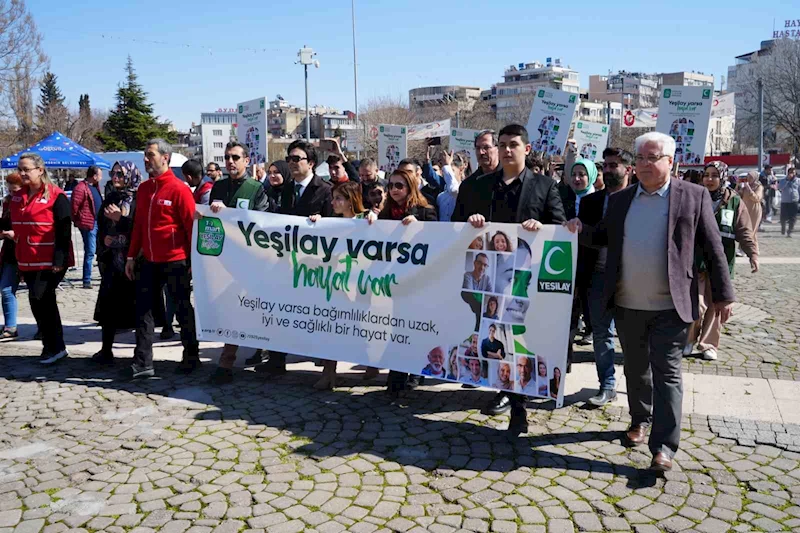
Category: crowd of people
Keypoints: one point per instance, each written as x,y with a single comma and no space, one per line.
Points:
655,260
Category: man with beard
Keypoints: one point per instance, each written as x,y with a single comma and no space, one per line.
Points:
617,168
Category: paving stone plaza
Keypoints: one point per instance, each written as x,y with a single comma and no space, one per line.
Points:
80,452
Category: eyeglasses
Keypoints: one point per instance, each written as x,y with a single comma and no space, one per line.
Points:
295,159
652,159
116,174
26,170
233,157
399,185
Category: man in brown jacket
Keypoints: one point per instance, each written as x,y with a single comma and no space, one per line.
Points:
651,231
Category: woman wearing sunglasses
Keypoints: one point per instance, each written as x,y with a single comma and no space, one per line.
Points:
404,203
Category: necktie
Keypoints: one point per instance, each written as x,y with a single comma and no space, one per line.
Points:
297,188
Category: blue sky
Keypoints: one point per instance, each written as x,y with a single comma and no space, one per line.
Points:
401,44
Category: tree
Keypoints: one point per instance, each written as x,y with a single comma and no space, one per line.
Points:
132,123
384,110
779,68
22,62
52,114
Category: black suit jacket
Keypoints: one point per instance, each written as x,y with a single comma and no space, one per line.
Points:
568,200
539,198
315,200
591,213
691,224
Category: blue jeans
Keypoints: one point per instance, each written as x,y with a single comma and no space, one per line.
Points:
9,282
89,247
602,333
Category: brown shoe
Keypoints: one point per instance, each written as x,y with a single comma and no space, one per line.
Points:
661,462
636,435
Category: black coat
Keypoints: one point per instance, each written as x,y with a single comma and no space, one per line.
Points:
591,214
316,199
568,200
539,198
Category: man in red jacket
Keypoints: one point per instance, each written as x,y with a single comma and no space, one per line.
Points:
86,201
162,234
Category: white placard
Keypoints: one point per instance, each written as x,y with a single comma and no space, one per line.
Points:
463,140
392,146
252,130
592,139
684,113
550,120
417,132
640,118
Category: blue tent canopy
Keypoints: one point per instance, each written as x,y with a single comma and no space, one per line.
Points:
59,151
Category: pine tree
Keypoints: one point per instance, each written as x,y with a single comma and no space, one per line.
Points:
51,111
84,108
132,123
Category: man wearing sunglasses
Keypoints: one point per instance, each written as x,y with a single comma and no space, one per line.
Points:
307,194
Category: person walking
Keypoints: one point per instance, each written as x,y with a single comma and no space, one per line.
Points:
652,231
734,226
9,274
86,201
752,192
162,233
41,221
789,188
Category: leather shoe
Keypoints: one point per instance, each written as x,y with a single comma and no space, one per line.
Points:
500,404
602,398
518,424
636,435
661,462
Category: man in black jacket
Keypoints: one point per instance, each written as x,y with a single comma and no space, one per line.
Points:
511,195
488,158
617,167
307,194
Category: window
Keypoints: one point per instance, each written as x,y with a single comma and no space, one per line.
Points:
217,133
218,145
218,159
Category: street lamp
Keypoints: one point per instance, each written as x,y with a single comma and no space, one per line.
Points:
306,56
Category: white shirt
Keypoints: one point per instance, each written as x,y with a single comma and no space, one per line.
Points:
304,184
447,198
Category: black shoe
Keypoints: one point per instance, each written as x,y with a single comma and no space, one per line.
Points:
518,424
102,358
166,334
468,386
132,373
271,369
500,404
602,398
51,358
221,376
256,358
187,366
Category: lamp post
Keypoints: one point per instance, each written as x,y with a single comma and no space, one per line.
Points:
355,77
306,56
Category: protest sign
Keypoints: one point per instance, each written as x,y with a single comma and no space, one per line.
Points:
391,147
640,118
592,139
487,306
462,140
684,113
251,129
417,132
550,119
724,106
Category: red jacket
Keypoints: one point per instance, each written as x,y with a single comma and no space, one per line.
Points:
83,208
162,227
202,189
34,225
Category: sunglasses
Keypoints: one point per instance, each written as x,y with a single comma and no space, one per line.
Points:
117,174
399,185
295,159
234,157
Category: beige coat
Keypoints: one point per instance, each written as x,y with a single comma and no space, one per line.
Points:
752,199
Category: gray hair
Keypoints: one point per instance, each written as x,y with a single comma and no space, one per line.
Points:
164,148
666,142
39,162
486,132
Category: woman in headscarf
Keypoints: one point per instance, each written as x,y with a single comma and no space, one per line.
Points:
115,309
752,192
277,174
734,226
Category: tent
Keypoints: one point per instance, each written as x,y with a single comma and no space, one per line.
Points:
59,151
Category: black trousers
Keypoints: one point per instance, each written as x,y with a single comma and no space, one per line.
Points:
42,285
653,342
153,277
788,216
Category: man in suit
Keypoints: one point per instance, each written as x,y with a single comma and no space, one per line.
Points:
617,166
651,231
513,194
306,195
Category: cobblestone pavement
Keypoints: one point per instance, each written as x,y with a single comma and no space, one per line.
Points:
168,455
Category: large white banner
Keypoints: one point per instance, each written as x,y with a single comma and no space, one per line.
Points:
489,307
724,106
640,118
592,139
550,120
251,128
463,140
684,113
392,145
417,132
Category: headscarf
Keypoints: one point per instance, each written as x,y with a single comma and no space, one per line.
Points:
722,168
591,173
283,168
131,182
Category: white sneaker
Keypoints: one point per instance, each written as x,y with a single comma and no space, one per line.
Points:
49,360
688,350
710,354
